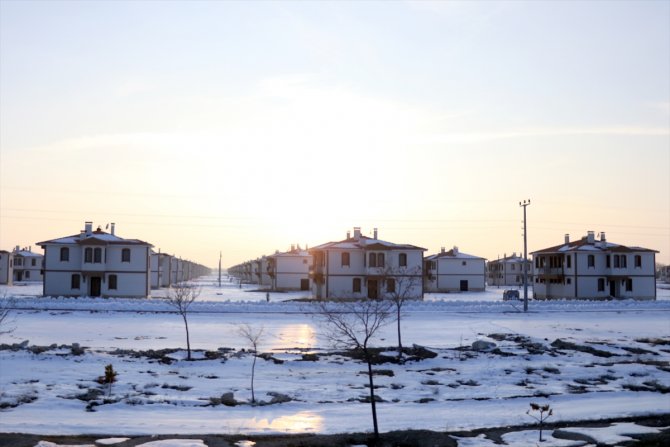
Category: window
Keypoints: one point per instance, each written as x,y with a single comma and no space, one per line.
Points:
18,261
513,267
616,261
75,281
373,260
112,282
125,255
464,263
591,261
568,280
27,274
608,261
97,255
390,285
64,254
601,284
345,259
623,261
537,263
402,259
380,259
356,286
629,285
34,262
638,261
88,254
569,261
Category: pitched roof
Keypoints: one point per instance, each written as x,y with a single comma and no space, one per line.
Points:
453,255
365,243
599,246
97,237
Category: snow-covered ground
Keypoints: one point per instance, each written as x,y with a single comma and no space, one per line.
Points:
614,362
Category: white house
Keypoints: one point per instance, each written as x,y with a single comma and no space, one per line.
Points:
27,265
361,266
6,267
95,263
161,270
290,270
594,269
454,271
508,271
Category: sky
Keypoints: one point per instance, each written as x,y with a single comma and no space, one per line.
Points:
241,128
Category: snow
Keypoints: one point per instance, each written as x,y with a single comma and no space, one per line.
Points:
111,441
614,434
457,390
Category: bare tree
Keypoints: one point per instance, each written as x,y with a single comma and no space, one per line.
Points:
6,306
253,337
401,284
180,297
545,412
352,325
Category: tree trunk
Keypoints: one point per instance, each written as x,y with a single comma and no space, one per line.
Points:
399,338
188,341
253,369
373,402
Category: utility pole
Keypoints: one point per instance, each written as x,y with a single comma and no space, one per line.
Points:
524,204
219,269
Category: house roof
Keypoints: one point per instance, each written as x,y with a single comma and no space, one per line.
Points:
27,254
97,237
296,252
596,246
452,255
364,243
512,258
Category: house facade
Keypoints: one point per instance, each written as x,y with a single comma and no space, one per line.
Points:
290,270
591,268
508,271
454,271
366,267
27,265
6,268
95,263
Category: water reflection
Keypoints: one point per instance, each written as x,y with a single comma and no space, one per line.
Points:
297,335
301,422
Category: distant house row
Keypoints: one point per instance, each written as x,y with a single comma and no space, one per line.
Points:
96,263
368,267
360,266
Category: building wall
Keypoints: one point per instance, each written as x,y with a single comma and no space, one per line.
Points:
6,267
450,272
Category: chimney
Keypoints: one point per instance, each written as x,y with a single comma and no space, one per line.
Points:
374,232
441,249
455,250
567,238
357,233
602,237
590,237
17,249
348,235
112,228
292,247
88,228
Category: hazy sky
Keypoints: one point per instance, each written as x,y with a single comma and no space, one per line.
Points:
245,127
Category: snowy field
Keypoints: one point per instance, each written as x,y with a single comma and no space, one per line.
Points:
588,360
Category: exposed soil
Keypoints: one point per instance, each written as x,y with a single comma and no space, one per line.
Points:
404,438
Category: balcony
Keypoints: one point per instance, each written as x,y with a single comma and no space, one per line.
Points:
549,272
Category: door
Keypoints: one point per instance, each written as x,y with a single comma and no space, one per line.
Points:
464,285
373,289
304,284
95,285
612,288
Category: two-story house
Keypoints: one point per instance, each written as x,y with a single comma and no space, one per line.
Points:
508,271
454,271
96,263
594,269
361,266
290,270
27,265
